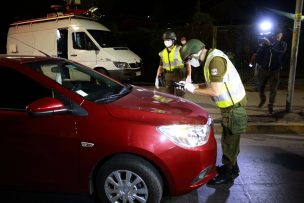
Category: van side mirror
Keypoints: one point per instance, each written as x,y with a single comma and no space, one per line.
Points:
91,46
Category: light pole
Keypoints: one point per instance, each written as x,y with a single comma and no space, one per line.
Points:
294,54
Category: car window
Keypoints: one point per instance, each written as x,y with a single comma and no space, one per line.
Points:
18,90
82,80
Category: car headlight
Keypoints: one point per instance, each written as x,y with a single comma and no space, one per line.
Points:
121,65
186,135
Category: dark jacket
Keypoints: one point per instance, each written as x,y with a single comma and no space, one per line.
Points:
277,51
263,56
269,57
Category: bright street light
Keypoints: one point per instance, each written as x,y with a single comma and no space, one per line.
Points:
265,27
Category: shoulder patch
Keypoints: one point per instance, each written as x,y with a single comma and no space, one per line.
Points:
214,71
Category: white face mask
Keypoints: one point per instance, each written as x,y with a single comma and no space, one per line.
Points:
197,55
194,62
183,42
168,43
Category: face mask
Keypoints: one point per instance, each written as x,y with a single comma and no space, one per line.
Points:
168,43
197,55
194,62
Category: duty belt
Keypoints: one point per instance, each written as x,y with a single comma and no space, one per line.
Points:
171,71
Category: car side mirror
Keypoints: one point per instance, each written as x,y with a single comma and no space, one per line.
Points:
47,106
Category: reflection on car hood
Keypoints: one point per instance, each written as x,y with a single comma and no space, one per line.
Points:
156,107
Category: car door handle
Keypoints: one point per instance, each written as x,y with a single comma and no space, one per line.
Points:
73,54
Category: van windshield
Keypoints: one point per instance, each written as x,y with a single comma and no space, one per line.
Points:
106,38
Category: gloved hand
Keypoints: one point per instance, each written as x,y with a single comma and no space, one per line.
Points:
156,83
189,87
250,65
188,79
180,85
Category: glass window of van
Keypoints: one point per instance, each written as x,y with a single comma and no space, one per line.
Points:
82,41
106,38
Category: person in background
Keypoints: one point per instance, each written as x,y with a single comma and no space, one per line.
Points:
183,40
225,87
271,66
172,65
195,67
255,62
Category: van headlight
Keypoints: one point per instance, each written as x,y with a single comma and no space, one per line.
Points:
121,65
186,135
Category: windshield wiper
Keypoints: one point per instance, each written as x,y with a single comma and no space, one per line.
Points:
108,98
124,91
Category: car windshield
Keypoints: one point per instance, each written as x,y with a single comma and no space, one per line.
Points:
106,38
84,81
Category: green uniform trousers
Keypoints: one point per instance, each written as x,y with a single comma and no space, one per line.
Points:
234,122
176,75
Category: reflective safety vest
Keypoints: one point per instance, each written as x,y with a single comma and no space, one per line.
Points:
171,60
232,89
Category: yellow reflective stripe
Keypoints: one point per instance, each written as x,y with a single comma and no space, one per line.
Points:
169,57
229,93
172,64
206,74
223,104
228,102
173,59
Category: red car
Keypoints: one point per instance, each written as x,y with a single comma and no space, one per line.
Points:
68,128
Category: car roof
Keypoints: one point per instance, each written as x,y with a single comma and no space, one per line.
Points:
25,58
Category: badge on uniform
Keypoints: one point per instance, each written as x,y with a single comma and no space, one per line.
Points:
214,71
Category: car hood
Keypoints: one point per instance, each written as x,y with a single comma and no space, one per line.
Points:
146,105
122,54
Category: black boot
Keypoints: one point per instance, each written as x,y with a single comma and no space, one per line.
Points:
235,170
261,104
223,177
270,109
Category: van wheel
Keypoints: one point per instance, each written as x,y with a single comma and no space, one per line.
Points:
103,71
128,178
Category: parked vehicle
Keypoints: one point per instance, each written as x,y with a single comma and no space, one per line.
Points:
76,37
68,128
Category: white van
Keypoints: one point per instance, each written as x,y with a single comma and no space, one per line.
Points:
78,38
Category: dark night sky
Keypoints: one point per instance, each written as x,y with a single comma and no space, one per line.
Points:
224,11
169,8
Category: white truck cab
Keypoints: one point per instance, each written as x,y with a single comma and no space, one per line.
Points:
78,38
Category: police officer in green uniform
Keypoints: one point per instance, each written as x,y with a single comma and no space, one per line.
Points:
171,64
224,86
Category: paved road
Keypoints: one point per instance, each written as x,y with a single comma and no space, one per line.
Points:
272,170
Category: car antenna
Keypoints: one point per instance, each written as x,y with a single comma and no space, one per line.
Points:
31,46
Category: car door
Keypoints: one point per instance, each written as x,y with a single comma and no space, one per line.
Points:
82,49
36,151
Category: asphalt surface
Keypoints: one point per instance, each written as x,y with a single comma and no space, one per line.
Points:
271,171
